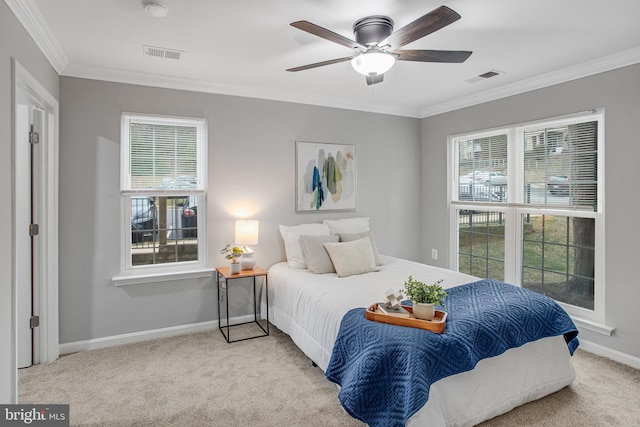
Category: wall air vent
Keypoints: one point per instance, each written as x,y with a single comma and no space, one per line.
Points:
484,76
162,52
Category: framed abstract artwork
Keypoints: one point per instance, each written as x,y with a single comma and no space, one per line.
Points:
325,176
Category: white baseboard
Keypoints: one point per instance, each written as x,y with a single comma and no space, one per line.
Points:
615,355
173,331
73,347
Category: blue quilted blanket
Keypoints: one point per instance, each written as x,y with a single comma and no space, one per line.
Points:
385,371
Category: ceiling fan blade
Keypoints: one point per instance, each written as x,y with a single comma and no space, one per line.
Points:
320,64
450,56
327,34
427,24
371,80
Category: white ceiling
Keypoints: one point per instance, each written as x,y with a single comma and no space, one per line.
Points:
243,47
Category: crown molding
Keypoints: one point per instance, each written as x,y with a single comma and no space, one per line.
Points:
31,19
171,82
611,62
589,68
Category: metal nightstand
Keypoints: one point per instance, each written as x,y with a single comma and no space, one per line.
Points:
224,274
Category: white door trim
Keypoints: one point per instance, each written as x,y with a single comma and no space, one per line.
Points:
46,305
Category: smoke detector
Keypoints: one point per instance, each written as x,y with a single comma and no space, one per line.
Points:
155,9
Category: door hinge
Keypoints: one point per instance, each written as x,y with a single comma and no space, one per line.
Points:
33,230
34,322
34,137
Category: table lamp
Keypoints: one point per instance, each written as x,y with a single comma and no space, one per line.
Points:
247,234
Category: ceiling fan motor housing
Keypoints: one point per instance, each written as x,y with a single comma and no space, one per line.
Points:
371,30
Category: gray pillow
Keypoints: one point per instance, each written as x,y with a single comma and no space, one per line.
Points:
315,255
349,237
349,258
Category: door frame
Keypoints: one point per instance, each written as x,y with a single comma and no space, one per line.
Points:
46,302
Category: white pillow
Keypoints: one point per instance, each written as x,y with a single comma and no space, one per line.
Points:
291,236
349,258
347,225
348,237
315,255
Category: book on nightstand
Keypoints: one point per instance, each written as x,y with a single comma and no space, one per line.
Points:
393,311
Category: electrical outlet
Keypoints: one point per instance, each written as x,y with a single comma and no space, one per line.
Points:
434,254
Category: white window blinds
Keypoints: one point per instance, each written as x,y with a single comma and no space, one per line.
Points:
482,168
161,156
562,160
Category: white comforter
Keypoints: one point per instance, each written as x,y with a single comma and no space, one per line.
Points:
309,307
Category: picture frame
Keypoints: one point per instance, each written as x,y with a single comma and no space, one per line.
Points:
325,176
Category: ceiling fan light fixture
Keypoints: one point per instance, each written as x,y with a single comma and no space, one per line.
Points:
373,63
155,9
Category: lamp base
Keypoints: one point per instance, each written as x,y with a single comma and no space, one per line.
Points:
247,261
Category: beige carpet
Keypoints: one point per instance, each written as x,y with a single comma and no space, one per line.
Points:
200,380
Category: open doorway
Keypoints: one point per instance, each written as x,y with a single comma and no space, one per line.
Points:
35,220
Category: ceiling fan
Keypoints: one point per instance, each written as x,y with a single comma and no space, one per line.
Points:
377,47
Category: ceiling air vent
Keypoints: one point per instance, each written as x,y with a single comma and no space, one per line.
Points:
484,76
162,52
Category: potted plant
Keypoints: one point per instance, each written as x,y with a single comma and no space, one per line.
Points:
424,297
232,253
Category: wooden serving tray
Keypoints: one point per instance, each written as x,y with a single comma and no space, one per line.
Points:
436,325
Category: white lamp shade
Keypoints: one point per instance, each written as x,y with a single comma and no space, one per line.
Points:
246,232
373,63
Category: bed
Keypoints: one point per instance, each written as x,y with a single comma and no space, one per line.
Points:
310,307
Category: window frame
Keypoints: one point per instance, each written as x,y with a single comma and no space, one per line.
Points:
515,208
131,274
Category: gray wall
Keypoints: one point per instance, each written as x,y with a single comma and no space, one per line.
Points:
618,92
250,165
14,43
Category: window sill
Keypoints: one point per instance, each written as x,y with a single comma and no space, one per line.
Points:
161,277
590,325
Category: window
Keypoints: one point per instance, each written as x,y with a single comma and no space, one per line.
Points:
526,208
163,191
558,258
481,243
